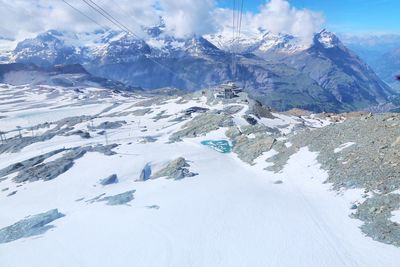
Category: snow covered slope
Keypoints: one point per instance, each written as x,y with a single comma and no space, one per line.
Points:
172,201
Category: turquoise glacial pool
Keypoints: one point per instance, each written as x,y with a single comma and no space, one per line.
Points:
221,146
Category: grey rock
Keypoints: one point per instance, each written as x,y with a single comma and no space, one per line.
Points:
28,163
259,110
150,139
34,169
109,125
156,207
249,149
112,179
119,199
145,173
202,124
232,109
176,169
138,112
191,110
250,120
161,115
12,193
371,164
31,226
63,127
50,170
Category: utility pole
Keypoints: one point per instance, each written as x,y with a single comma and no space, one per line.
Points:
19,131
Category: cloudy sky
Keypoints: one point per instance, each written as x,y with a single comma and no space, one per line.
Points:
24,18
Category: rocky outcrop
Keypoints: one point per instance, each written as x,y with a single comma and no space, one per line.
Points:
112,179
371,163
109,125
31,226
202,124
145,173
119,199
248,149
35,168
176,169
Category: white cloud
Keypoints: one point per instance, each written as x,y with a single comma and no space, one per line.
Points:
21,18
278,16
24,18
185,17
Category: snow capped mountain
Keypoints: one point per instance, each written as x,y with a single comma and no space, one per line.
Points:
327,61
127,48
48,48
265,65
56,47
328,40
262,43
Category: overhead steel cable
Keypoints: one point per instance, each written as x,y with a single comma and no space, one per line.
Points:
233,38
83,14
237,14
233,20
109,15
240,18
128,16
125,29
110,19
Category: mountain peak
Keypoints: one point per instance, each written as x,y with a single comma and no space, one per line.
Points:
327,39
280,42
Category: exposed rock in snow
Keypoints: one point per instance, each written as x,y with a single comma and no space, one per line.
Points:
192,110
112,179
35,168
30,226
109,125
376,213
176,169
119,199
83,134
248,149
250,120
50,170
145,174
26,164
232,109
12,193
202,124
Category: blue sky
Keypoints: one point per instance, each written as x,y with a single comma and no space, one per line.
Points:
353,16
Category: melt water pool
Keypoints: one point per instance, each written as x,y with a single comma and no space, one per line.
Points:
221,146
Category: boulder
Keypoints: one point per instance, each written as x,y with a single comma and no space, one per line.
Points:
31,226
112,179
176,169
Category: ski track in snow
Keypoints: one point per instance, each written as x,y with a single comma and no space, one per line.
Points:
231,214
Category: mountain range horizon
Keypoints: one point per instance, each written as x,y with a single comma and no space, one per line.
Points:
330,77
